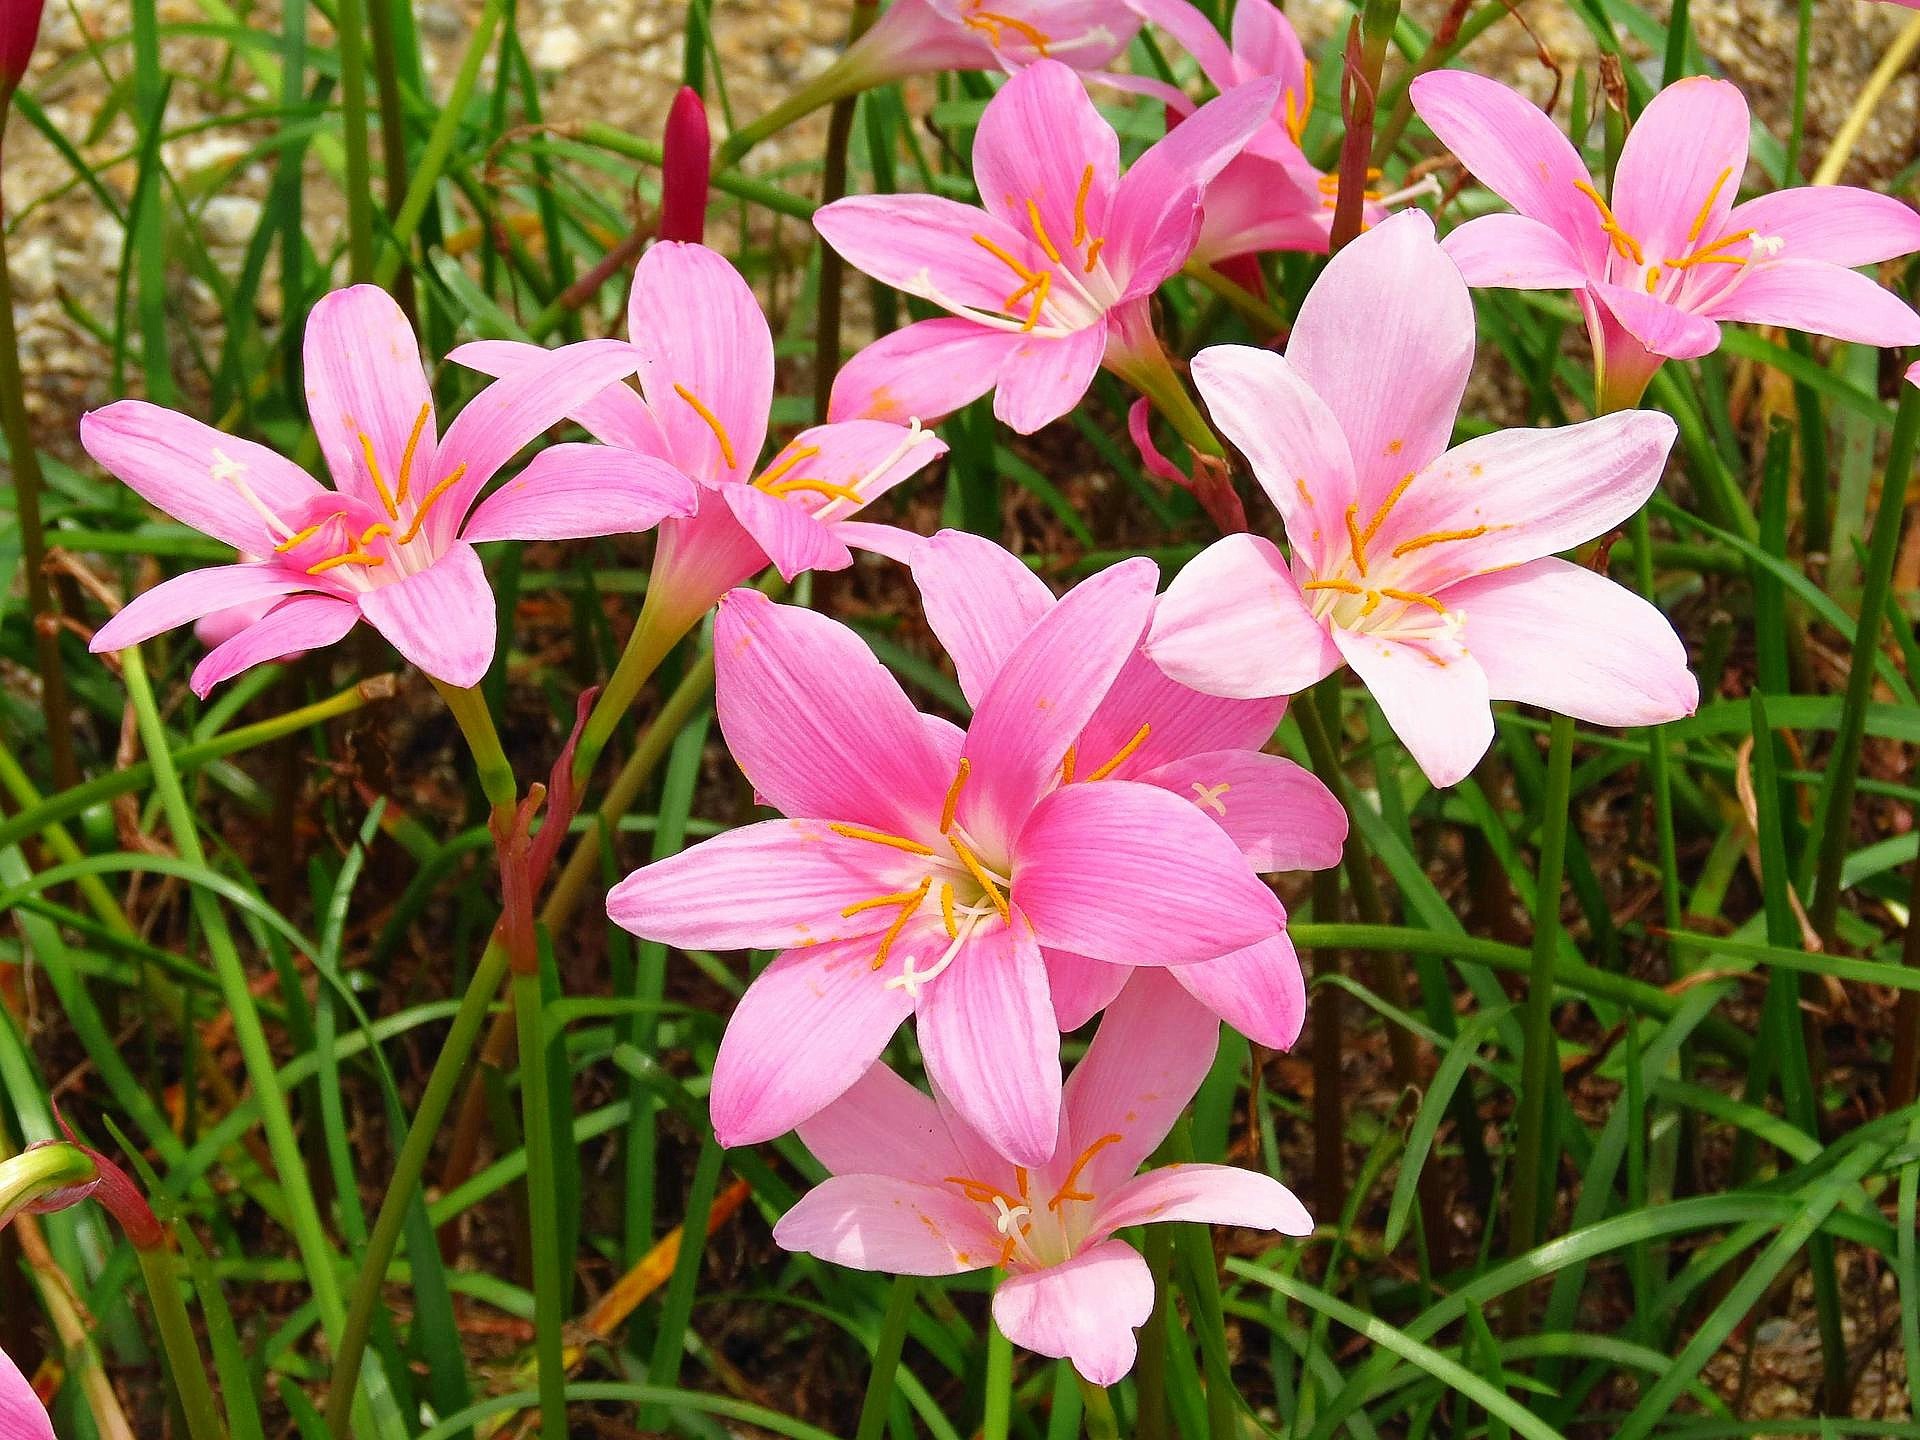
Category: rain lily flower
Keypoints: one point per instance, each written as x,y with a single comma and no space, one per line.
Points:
1660,263
1430,571
392,542
22,1416
921,37
924,871
982,603
916,1191
705,359
1051,279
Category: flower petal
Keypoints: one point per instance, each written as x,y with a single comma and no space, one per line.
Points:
924,372
1822,299
818,725
1097,860
1514,252
866,457
1043,377
1259,991
367,388
22,1416
568,492
440,618
1085,1310
1662,328
790,537
882,1125
1234,623
1680,170
932,247
1082,988
1265,44
1840,224
987,1032
898,1227
1278,813
812,1023
1559,636
774,885
617,416
1391,369
1178,721
1044,160
891,541
1044,694
194,473
1195,34
192,595
1434,695
1205,1195
305,622
706,358
980,603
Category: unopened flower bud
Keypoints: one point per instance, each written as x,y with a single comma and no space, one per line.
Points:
687,161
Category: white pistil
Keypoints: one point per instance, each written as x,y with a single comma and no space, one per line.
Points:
1010,1216
230,471
912,980
915,436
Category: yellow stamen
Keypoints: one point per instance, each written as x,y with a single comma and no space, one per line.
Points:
1628,247
1093,252
1066,1190
352,557
1040,232
1066,766
1300,484
909,904
1345,587
781,466
378,528
432,498
979,1191
818,487
373,469
985,880
294,540
1386,505
882,902
953,795
713,424
1713,254
1653,279
946,910
1297,113
413,444
993,23
1041,285
1139,739
1706,206
1373,604
1438,537
1080,206
1356,539
1414,597
880,837
1000,253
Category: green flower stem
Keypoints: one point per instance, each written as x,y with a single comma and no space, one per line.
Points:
186,1367
350,25
1098,1408
997,1416
1150,1377
1153,376
886,1360
1835,814
549,1271
38,1172
833,185
1252,308
469,709
839,81
655,633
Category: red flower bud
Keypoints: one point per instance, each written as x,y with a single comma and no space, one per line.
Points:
19,29
687,162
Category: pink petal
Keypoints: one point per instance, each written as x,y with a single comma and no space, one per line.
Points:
1259,991
1279,814
1046,690
568,492
1691,138
811,1024
1840,224
929,246
192,595
441,618
882,1125
899,1227
1392,373
1821,298
1082,988
1196,35
1154,1046
700,333
1290,437
1515,252
1434,696
305,622
1265,44
1043,377
1036,145
1097,861
193,472
924,372
818,725
1532,493
1662,328
1516,151
1234,623
1086,34
891,541
1206,1195
987,1032
980,603
1257,203
365,384
697,560
1561,637
617,416
775,885
1085,1310
868,457
22,1416
1179,721
790,537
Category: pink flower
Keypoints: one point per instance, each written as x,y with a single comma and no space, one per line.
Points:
982,603
393,542
22,1416
1430,571
706,389
1670,255
924,869
1051,280
915,1190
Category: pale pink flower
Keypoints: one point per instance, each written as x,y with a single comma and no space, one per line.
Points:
1660,264
22,1416
982,603
1051,279
916,1191
393,542
1430,571
925,870
705,359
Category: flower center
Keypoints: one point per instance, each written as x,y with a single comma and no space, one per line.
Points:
1372,587
1035,1237
1084,289
1667,277
995,26
779,480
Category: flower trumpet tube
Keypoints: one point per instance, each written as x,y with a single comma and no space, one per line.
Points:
928,871
1051,279
1669,256
915,1190
1430,571
392,542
